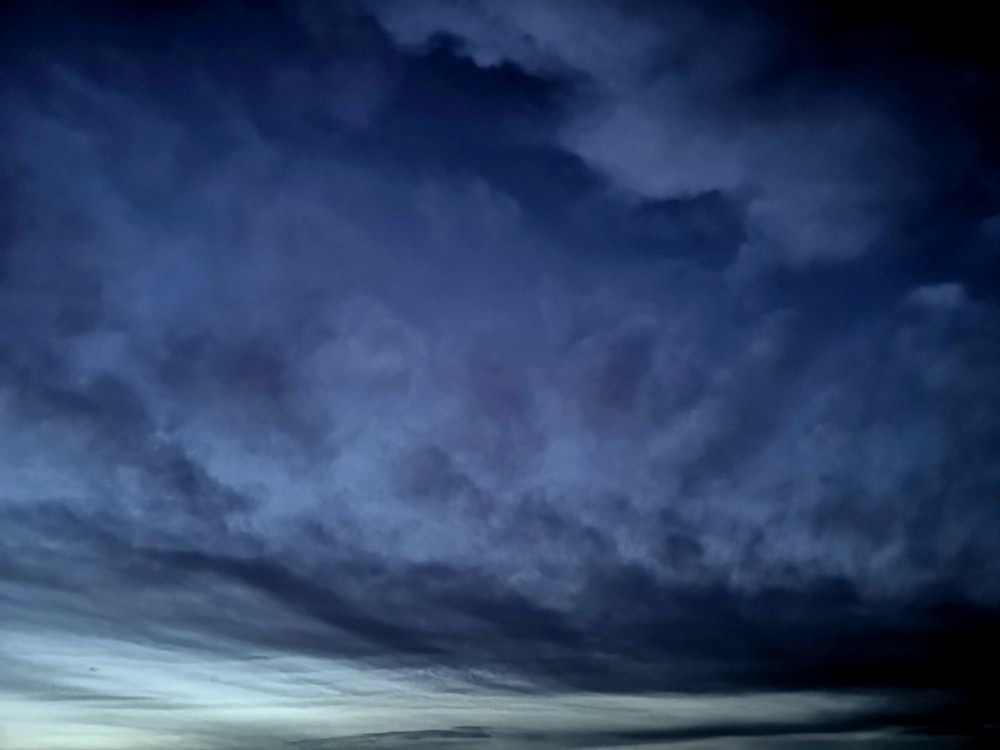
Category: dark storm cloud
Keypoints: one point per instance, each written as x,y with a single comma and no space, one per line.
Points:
833,141
675,102
524,358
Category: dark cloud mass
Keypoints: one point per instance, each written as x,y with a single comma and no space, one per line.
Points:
498,373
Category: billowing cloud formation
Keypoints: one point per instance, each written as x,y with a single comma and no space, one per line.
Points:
675,101
357,382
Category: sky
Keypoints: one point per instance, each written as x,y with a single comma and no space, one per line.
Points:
531,374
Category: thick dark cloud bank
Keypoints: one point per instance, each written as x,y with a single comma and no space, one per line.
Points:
498,373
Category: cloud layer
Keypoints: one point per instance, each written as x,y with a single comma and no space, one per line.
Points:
588,357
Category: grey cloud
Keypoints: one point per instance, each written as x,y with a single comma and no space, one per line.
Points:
266,388
674,101
864,731
457,736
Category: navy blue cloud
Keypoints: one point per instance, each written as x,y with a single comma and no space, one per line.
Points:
538,347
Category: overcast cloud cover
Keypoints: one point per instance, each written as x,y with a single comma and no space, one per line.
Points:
497,373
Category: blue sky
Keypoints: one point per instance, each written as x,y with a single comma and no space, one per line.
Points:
497,374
